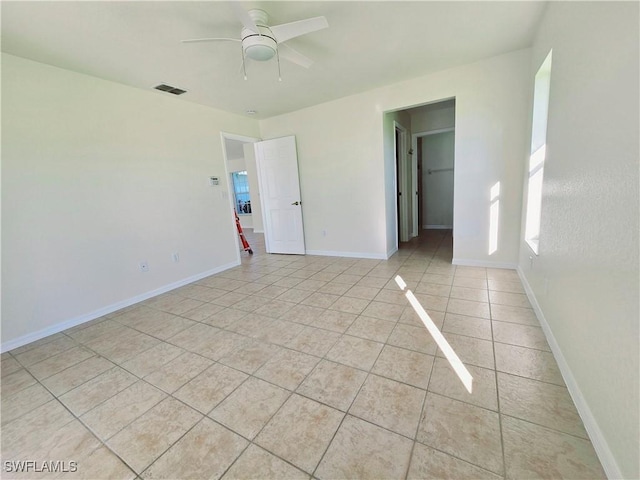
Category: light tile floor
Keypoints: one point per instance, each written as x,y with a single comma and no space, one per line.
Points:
299,367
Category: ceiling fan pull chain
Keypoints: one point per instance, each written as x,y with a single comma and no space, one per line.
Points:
244,68
278,56
277,53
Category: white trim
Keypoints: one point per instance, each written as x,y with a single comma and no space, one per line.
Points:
415,173
415,221
329,253
400,157
467,262
598,440
59,327
434,132
240,138
437,227
391,252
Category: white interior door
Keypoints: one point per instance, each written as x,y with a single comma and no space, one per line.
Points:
277,164
402,175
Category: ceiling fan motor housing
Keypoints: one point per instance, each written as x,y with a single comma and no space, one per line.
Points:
259,46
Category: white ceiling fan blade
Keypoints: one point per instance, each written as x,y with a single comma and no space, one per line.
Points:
196,40
244,17
287,31
288,53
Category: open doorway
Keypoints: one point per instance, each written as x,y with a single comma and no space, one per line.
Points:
262,178
433,164
436,153
243,188
422,165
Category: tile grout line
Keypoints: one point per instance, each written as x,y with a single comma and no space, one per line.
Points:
346,413
422,413
495,361
89,429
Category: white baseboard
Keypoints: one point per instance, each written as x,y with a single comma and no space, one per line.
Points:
437,227
391,252
61,326
598,440
330,253
466,262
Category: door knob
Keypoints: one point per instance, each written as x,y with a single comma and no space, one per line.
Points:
296,203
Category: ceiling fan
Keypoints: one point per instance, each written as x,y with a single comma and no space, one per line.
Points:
262,42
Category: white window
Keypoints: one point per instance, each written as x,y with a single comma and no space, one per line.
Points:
538,153
241,192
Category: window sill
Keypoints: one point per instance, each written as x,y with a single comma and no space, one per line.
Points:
533,244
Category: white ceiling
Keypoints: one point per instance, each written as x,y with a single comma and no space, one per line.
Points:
368,44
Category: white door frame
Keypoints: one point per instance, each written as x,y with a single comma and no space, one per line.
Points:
414,166
401,178
227,194
415,230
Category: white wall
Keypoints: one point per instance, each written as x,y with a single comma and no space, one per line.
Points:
585,281
341,174
344,160
97,177
435,116
437,187
236,164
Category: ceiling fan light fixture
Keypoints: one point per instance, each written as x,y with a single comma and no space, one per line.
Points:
260,52
259,46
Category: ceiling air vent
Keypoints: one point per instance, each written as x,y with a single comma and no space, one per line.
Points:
169,89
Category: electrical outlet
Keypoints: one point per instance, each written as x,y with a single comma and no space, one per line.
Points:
144,266
175,257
